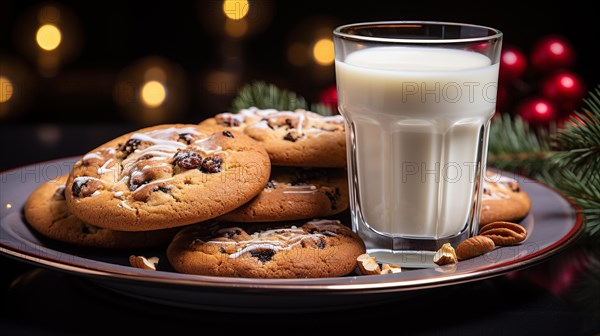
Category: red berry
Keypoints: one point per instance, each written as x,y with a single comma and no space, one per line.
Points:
513,63
537,111
551,53
565,89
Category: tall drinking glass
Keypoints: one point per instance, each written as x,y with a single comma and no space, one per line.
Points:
417,98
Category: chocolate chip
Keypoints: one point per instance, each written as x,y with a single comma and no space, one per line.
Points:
76,189
163,189
186,137
229,232
289,123
85,188
263,255
211,164
333,197
187,159
222,249
134,184
228,134
290,137
321,243
270,185
130,146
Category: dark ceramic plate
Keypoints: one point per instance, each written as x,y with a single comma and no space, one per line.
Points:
552,225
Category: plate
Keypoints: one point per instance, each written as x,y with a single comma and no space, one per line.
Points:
553,224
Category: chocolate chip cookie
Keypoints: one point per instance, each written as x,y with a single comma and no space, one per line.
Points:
319,248
46,211
166,176
294,194
503,200
299,138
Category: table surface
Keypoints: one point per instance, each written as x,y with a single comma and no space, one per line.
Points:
558,297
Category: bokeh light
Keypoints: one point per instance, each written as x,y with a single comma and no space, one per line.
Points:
6,89
153,93
48,37
235,9
236,28
323,51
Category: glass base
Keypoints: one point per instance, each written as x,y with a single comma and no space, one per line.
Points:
406,252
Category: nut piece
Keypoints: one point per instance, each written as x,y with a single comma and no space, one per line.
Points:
504,233
368,265
390,268
143,263
445,255
474,247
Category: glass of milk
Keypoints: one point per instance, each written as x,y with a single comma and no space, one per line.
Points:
417,98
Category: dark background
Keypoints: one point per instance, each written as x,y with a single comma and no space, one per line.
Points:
109,38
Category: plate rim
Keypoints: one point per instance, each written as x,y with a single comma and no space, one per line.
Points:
387,285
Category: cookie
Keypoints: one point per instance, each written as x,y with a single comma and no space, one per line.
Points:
166,176
300,138
294,194
503,200
319,248
46,211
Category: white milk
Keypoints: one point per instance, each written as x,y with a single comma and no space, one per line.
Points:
416,117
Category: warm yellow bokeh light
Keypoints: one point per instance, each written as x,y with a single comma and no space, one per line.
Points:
235,9
323,51
48,37
236,28
153,94
6,89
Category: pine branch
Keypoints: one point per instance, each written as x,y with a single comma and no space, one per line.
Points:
514,147
583,190
578,141
321,109
265,96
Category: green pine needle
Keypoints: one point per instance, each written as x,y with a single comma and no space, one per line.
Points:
321,109
514,147
578,141
268,96
585,191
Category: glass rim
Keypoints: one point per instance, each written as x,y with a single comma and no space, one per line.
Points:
338,32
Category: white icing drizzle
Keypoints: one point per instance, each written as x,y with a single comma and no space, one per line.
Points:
95,193
104,168
161,150
94,155
119,194
306,121
149,184
122,204
323,221
299,189
276,239
207,145
79,181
